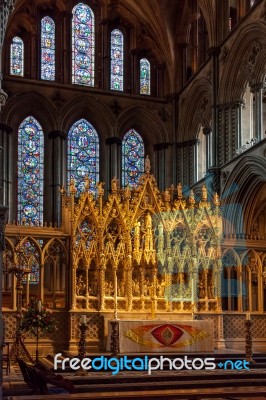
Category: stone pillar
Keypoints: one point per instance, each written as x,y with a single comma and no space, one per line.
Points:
209,147
161,161
66,72
105,55
5,130
57,178
257,89
114,160
214,52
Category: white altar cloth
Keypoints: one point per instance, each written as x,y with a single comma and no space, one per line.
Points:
163,336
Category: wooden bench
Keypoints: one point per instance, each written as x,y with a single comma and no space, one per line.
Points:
174,394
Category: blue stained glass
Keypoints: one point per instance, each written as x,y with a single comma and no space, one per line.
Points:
132,158
47,49
83,45
17,57
83,154
145,76
31,256
117,60
30,172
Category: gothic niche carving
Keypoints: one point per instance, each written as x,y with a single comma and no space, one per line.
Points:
157,251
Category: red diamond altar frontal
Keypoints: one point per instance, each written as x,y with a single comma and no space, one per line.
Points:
166,336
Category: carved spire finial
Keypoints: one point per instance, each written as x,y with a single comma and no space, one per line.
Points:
147,165
179,191
204,196
72,187
216,200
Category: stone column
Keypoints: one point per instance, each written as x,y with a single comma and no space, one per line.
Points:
214,52
5,130
161,160
257,89
66,62
57,178
114,160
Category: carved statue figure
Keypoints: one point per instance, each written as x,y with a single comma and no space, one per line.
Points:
147,165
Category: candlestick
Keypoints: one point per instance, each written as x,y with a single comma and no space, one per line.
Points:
83,319
39,306
247,316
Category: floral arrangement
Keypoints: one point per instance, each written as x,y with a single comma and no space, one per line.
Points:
37,319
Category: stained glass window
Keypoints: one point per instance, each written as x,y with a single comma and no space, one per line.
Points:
132,158
145,76
30,172
47,49
17,57
83,45
31,257
117,60
83,154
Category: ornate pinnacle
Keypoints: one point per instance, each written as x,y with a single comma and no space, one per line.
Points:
147,165
216,200
204,196
179,191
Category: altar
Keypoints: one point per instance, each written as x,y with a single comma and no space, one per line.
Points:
137,336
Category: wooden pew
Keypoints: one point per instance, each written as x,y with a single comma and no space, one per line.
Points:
174,394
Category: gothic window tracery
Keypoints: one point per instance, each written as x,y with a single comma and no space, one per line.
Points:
132,158
145,76
47,49
30,172
117,60
17,57
83,45
83,154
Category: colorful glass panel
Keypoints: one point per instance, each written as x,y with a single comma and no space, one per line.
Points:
83,154
17,57
31,257
145,76
30,172
47,49
83,45
117,60
132,158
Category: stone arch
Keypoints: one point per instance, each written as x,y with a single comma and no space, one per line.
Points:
30,103
145,122
244,63
240,193
87,107
195,109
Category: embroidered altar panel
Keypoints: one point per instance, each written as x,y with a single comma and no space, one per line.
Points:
164,336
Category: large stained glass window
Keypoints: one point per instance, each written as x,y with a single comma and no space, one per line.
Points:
145,76
30,172
83,45
117,60
83,154
17,57
132,158
47,49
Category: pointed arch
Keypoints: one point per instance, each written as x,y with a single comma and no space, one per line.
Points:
83,154
145,76
30,172
117,60
132,158
17,57
83,45
47,49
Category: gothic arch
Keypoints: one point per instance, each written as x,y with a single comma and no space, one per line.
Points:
244,62
30,103
145,122
241,190
87,107
195,109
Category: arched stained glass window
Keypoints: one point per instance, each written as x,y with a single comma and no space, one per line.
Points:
30,172
132,158
83,154
145,76
83,45
17,57
47,49
117,60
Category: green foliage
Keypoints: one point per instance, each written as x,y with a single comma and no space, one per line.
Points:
35,321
